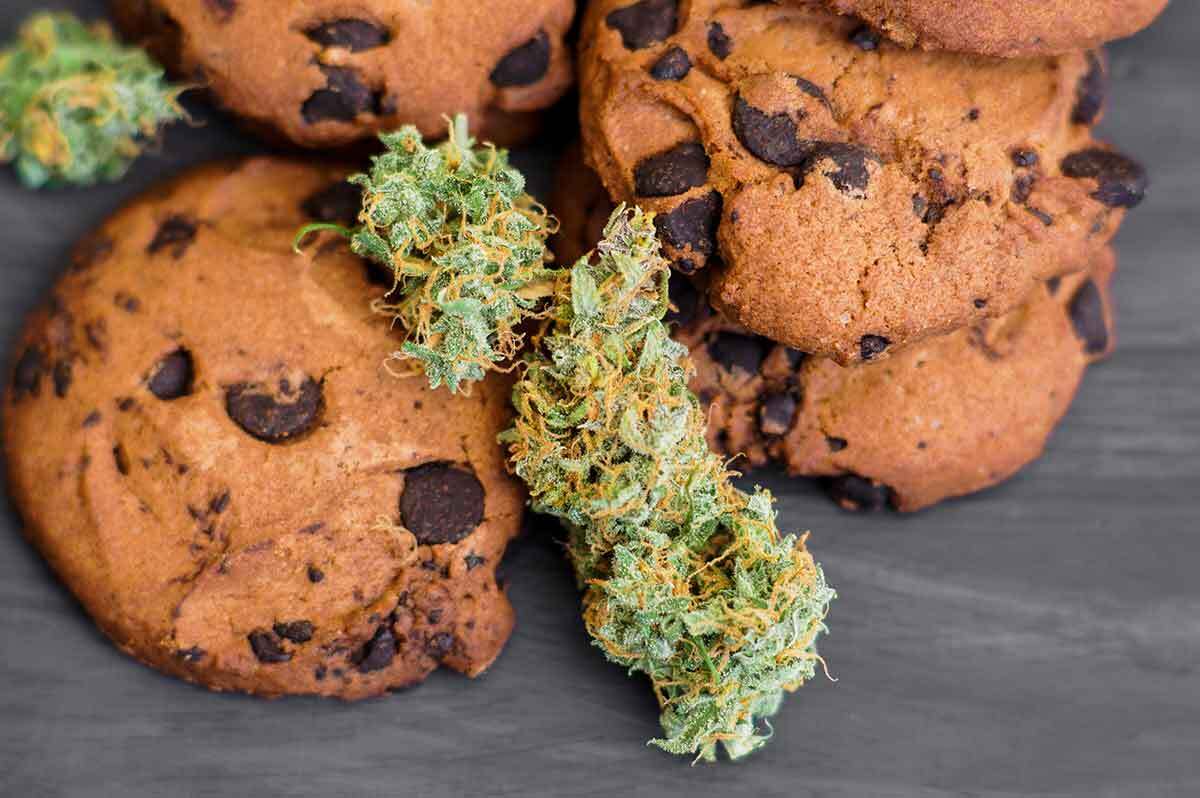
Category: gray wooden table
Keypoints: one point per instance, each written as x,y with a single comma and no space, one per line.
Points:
1042,638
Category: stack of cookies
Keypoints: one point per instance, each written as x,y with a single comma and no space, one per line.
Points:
890,222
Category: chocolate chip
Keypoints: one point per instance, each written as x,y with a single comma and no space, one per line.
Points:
835,444
719,43
92,419
685,301
1122,181
127,302
275,416
673,171
853,492
865,38
851,174
193,654
378,652
315,574
173,376
61,376
1022,187
1024,159
973,115
320,672
524,65
338,202
769,137
441,503
1040,215
223,8
267,648
439,645
343,98
219,503
738,351
1091,92
354,34
473,561
980,304
126,403
1087,315
693,223
296,631
871,345
674,64
1052,285
121,460
775,415
177,233
812,90
644,23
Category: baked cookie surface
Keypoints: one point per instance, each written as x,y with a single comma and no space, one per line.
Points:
851,195
323,73
204,440
1007,28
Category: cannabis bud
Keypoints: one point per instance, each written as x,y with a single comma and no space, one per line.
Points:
75,106
467,247
686,578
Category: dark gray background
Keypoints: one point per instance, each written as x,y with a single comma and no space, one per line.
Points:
1042,638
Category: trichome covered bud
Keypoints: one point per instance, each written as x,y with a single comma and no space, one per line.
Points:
467,247
687,579
75,106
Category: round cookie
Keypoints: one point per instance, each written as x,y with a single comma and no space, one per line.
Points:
1008,28
854,196
204,440
323,73
948,416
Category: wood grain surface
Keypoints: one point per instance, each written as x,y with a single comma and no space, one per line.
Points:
1042,638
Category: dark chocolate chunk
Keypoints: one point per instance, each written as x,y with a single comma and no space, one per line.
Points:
775,415
865,38
441,503
1087,315
719,43
685,301
835,444
275,416
267,648
127,302
121,460
61,375
812,90
343,98
439,645
173,376
193,654
378,652
1040,215
674,64
871,345
1022,187
672,171
315,574
738,351
473,561
177,233
223,8
1024,159
973,115
980,304
296,631
769,137
524,65
853,492
1091,92
339,202
644,23
92,419
354,34
851,174
219,503
1052,285
1122,181
693,223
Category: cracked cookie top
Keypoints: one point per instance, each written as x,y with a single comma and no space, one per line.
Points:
850,195
326,73
205,441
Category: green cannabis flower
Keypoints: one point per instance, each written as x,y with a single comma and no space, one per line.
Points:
687,579
75,106
467,247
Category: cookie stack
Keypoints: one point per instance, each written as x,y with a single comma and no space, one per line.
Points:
890,222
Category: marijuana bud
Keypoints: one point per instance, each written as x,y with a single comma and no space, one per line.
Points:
686,578
467,247
75,106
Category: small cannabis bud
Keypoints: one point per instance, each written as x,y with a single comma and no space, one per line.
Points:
687,579
75,106
467,247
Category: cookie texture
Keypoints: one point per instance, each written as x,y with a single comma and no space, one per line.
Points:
852,196
205,442
323,73
1007,28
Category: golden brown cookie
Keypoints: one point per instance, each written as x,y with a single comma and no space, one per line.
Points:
205,442
1009,28
949,416
323,73
855,196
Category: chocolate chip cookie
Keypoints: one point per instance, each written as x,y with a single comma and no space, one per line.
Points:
205,441
1010,28
326,73
853,196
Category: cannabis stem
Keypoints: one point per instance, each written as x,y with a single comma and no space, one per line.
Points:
75,106
687,578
